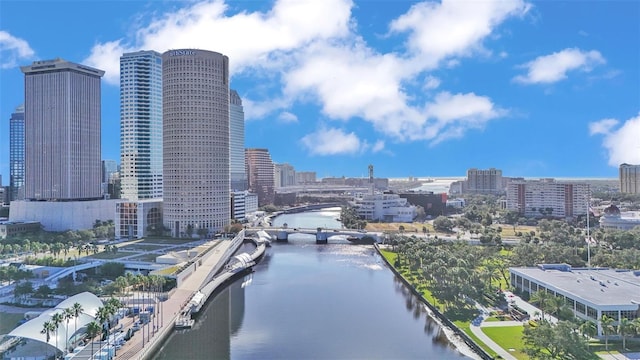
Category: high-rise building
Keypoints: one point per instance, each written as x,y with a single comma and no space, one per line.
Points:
195,113
548,198
62,129
305,177
260,172
141,125
484,181
285,175
630,179
16,154
109,171
236,143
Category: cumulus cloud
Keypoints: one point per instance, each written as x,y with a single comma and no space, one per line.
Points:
621,142
331,141
327,63
13,50
554,67
465,23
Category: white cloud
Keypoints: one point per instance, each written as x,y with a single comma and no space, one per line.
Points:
554,67
439,30
12,50
331,141
249,39
602,127
622,143
378,146
287,117
298,59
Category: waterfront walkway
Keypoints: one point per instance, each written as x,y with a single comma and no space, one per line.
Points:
139,345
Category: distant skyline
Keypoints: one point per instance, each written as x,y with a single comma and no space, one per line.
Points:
423,89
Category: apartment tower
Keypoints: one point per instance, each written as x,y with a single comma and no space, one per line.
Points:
260,172
548,198
236,143
16,155
630,179
141,125
62,128
487,181
195,113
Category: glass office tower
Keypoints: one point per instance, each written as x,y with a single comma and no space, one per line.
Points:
141,125
16,154
236,143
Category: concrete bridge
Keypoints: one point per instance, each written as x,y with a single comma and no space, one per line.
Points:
322,235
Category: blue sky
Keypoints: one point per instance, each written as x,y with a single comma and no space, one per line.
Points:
537,89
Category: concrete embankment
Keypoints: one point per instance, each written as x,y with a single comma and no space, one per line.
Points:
436,312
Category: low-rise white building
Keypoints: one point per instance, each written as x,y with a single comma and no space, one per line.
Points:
385,207
589,292
63,215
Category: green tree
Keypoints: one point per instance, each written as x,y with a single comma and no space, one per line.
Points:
542,299
76,309
443,224
555,341
189,230
48,328
57,319
93,330
625,328
606,323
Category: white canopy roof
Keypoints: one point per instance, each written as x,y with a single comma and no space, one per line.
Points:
32,328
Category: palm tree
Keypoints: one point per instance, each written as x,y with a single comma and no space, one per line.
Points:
588,329
606,323
625,327
76,309
541,298
57,319
67,314
48,327
93,329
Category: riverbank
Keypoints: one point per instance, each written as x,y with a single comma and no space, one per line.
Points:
463,342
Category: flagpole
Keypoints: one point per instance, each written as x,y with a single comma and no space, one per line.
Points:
588,239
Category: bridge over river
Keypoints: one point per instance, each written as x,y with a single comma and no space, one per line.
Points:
322,235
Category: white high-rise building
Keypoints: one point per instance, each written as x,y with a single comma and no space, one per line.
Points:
285,175
195,89
548,198
236,143
141,125
630,179
62,131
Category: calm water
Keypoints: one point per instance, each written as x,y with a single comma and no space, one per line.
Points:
308,301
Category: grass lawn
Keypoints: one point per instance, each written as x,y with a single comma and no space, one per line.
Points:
464,326
508,337
507,230
111,255
409,228
142,247
9,321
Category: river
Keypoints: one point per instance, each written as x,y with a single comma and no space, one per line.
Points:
303,301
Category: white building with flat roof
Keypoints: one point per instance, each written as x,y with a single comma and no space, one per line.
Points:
548,198
385,207
590,293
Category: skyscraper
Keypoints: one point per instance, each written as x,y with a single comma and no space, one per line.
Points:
484,181
236,143
260,172
141,125
630,179
62,128
16,154
195,90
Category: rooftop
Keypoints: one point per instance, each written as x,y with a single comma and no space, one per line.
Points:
600,286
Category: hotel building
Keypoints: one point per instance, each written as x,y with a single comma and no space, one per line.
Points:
195,112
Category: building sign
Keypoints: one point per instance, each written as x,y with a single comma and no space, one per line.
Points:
181,52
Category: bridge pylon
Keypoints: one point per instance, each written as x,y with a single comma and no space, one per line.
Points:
322,237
